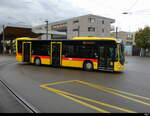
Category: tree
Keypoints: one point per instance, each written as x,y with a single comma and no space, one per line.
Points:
142,38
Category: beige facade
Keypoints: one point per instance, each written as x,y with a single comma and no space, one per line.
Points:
127,37
83,26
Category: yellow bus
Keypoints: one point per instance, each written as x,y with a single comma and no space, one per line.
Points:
88,53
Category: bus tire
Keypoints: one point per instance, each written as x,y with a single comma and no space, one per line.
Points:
37,61
88,66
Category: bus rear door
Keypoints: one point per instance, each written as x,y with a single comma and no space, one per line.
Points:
56,48
26,51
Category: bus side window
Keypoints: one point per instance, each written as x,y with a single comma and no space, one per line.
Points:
64,51
19,46
43,50
68,51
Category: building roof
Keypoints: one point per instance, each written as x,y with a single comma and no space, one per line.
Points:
15,32
65,20
112,20
49,32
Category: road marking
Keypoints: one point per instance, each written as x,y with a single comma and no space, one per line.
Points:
123,92
68,95
76,100
58,83
87,99
115,93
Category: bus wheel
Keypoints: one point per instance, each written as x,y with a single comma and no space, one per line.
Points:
37,61
88,66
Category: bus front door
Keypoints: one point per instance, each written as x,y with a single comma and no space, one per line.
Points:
26,52
106,58
56,53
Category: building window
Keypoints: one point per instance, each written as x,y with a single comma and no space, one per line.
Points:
76,21
38,28
64,24
103,22
54,26
129,43
44,27
91,20
59,25
75,32
103,30
91,29
130,36
75,29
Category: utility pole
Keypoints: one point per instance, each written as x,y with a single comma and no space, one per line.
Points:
78,31
116,32
3,39
46,29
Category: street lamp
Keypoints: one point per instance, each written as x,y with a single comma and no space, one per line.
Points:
127,13
46,29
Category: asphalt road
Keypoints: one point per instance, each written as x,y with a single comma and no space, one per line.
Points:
66,90
8,103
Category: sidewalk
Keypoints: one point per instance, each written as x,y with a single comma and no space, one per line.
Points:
8,103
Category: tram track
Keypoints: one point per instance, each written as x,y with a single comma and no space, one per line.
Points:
28,106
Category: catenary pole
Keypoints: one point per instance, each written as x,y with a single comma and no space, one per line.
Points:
116,32
3,39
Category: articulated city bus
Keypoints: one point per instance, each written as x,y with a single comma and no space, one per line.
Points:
88,53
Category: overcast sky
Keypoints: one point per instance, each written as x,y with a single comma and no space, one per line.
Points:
138,17
34,12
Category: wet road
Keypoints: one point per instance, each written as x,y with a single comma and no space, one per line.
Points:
65,90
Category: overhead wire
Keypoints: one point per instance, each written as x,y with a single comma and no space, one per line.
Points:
133,5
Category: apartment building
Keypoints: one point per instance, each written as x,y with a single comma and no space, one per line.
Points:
127,37
129,42
87,25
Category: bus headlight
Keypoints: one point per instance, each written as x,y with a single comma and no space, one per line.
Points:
118,66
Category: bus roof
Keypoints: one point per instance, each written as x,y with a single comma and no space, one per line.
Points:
93,38
79,38
97,38
26,38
